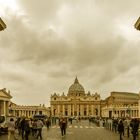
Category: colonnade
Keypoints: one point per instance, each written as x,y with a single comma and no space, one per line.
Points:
26,113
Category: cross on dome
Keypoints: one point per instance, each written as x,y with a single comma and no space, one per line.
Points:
76,81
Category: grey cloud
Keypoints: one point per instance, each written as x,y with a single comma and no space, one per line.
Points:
40,12
117,8
83,41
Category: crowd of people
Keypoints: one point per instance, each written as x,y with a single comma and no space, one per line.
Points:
123,126
22,127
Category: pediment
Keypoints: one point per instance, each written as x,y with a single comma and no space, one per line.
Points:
3,94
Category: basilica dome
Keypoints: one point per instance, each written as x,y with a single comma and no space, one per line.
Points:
76,89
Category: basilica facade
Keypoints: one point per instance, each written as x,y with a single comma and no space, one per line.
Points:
76,103
79,103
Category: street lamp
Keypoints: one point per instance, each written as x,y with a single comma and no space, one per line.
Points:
2,25
137,24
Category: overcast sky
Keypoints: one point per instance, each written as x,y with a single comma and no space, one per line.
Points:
47,43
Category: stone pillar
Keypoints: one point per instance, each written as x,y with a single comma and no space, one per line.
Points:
76,110
99,114
4,108
52,110
69,110
87,110
80,110
20,113
63,110
92,110
14,112
137,113
58,110
27,112
132,113
7,108
73,109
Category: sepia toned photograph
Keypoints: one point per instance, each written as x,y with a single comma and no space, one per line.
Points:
69,70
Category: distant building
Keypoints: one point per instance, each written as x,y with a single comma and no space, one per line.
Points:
5,98
7,108
28,111
2,25
79,103
121,104
75,103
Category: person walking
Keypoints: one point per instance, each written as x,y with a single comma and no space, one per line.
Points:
22,125
34,128
27,129
120,129
48,123
135,127
39,128
11,129
63,125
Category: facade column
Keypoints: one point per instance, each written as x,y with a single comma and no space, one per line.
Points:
99,114
76,110
132,113
87,110
69,110
135,113
27,113
20,113
82,110
52,110
81,113
73,109
92,110
4,108
14,112
63,110
7,108
58,110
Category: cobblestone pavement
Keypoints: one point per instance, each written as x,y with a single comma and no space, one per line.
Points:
77,131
